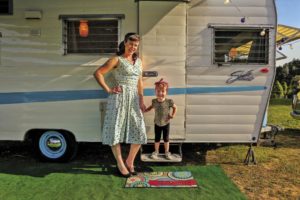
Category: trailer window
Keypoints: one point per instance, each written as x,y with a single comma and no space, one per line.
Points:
6,7
91,36
249,46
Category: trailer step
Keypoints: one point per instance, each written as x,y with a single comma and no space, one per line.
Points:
147,149
161,158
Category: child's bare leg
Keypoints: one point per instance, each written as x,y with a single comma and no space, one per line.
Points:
156,146
167,146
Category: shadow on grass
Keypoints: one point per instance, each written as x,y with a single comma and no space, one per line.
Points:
35,169
94,158
281,102
289,138
17,158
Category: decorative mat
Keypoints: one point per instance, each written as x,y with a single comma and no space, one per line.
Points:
161,179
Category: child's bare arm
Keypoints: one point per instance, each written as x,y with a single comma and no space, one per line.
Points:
149,108
174,110
172,115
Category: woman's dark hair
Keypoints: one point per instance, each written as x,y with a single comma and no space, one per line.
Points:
132,37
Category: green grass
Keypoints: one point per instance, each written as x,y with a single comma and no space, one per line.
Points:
279,114
277,174
25,180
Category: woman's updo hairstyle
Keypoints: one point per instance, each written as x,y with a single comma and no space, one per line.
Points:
132,37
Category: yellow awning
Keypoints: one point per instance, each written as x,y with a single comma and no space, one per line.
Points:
285,34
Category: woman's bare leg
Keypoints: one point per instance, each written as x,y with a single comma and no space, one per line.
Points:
116,149
134,148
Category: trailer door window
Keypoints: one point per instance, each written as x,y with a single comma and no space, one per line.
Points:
249,46
6,7
91,36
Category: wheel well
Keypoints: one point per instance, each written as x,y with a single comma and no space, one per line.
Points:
32,133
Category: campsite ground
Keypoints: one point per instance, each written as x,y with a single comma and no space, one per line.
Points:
276,176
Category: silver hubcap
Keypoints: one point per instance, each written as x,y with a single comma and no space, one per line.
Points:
52,144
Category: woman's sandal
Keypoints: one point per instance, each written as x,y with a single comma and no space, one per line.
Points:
133,173
123,175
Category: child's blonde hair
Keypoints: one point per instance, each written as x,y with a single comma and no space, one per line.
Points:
161,84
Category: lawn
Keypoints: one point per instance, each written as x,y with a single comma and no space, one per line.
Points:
277,174
219,170
22,180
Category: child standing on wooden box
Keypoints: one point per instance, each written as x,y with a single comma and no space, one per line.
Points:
162,107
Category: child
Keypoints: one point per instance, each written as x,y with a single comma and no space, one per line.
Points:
162,117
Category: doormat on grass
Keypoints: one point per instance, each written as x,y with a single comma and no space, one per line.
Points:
161,179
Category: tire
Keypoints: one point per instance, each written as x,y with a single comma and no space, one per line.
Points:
55,146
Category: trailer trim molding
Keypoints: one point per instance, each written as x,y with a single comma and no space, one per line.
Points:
88,16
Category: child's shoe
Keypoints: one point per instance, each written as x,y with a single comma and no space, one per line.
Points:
154,155
168,156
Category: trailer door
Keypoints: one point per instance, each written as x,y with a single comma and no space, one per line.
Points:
162,26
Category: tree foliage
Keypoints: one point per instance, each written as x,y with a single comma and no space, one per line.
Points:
277,91
283,85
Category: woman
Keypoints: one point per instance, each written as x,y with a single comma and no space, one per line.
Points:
124,121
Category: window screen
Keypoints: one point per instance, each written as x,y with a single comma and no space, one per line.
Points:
249,46
102,36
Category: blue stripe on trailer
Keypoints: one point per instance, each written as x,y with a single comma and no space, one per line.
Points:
49,96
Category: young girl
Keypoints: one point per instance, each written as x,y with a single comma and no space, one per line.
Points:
162,107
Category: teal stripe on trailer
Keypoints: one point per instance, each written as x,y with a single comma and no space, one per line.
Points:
50,96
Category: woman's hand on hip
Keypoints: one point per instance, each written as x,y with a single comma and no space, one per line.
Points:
115,90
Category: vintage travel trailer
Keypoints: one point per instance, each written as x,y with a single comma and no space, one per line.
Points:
218,57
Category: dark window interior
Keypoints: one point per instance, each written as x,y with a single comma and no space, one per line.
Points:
102,37
6,7
250,46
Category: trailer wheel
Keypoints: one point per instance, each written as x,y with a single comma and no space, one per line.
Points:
55,146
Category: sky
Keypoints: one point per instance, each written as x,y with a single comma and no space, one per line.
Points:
288,13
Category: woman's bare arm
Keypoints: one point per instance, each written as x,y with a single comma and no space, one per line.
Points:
141,92
102,70
140,87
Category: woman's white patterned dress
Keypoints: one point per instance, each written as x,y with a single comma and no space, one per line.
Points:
124,121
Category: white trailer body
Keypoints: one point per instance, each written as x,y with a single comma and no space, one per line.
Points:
219,60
